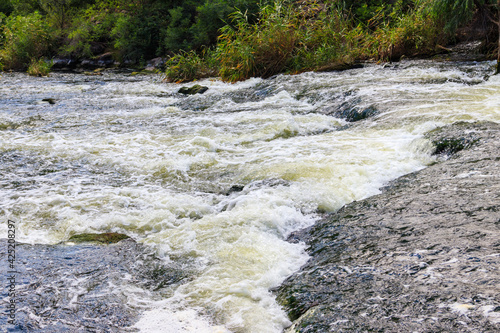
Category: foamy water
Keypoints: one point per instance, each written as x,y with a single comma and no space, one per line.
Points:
131,155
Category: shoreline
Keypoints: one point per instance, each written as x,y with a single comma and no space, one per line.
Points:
460,52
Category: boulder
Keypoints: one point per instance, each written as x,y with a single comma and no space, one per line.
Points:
353,114
196,89
49,100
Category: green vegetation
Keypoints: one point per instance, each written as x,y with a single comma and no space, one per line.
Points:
296,36
188,66
39,67
105,238
24,38
234,39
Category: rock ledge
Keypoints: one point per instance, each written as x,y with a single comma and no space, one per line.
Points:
423,256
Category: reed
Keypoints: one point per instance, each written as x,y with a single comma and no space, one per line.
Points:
188,66
39,67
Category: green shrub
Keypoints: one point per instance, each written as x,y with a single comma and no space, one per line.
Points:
213,15
26,37
6,7
135,36
188,66
24,7
287,38
409,33
261,49
90,32
328,41
39,67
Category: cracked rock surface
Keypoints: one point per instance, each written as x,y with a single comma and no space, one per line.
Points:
423,256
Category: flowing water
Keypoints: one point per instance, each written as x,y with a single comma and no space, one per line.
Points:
218,181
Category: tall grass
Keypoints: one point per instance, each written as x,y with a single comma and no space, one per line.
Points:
412,33
289,37
188,66
261,49
39,67
296,36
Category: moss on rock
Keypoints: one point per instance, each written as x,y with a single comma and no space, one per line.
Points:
105,238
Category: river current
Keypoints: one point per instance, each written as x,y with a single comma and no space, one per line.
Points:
218,181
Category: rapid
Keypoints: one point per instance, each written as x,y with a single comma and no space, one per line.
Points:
216,182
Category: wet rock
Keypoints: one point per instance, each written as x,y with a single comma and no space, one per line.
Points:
423,256
85,287
49,100
63,63
102,61
105,60
450,145
350,107
154,64
235,189
104,238
353,114
340,66
88,64
196,89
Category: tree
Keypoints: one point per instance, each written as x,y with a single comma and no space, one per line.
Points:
58,9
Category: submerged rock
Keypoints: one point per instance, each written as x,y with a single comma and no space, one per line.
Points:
196,89
105,238
423,256
353,114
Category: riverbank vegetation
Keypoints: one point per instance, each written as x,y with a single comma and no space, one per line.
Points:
237,39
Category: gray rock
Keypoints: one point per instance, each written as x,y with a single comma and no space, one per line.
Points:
196,89
156,63
62,288
423,256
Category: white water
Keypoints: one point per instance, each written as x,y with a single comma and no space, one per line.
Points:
128,154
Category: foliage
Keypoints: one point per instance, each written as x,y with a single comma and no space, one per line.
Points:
237,38
412,33
452,13
90,32
287,38
213,15
134,37
26,37
24,7
261,49
188,66
6,7
39,67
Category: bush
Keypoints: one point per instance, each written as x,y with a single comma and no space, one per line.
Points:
6,7
411,33
136,36
262,49
188,66
287,38
39,67
26,37
90,33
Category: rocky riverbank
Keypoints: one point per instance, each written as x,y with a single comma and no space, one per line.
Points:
423,256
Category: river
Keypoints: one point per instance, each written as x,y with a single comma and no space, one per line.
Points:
217,181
